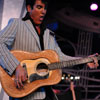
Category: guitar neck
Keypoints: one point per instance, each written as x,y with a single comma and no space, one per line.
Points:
70,63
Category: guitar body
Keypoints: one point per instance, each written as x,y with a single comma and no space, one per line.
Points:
29,87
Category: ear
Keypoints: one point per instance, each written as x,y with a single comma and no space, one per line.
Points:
28,8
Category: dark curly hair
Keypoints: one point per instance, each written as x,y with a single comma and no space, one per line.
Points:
32,2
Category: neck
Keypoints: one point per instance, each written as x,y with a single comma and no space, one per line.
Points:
38,29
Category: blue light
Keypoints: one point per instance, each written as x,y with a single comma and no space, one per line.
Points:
53,26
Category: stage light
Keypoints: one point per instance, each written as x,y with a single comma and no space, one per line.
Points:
53,26
66,78
93,6
62,78
71,77
77,77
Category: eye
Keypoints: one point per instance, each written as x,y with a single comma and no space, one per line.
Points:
39,6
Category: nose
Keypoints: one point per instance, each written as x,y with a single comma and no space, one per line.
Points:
44,11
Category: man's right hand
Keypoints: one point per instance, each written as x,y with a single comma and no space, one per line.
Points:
20,76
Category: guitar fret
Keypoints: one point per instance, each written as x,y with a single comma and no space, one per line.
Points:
67,64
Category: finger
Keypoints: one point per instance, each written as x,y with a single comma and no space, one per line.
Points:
95,62
24,76
20,81
96,65
91,65
17,83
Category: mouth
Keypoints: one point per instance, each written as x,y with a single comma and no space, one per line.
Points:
41,18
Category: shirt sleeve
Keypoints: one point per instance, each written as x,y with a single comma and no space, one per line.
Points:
61,55
7,36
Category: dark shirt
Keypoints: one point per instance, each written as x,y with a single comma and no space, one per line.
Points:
49,93
40,35
42,28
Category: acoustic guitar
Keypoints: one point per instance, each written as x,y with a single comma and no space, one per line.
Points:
43,69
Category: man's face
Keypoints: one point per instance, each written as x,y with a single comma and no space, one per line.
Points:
38,12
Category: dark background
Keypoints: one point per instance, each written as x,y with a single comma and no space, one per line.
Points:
68,19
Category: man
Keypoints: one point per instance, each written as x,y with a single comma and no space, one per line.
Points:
29,34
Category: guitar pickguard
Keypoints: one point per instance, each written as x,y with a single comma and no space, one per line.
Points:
34,77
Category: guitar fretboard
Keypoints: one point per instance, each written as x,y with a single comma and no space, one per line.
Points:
70,63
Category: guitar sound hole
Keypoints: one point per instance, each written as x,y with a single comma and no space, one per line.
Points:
42,69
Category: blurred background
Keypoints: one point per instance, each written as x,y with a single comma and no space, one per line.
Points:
76,24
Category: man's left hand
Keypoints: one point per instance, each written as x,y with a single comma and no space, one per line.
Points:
94,64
